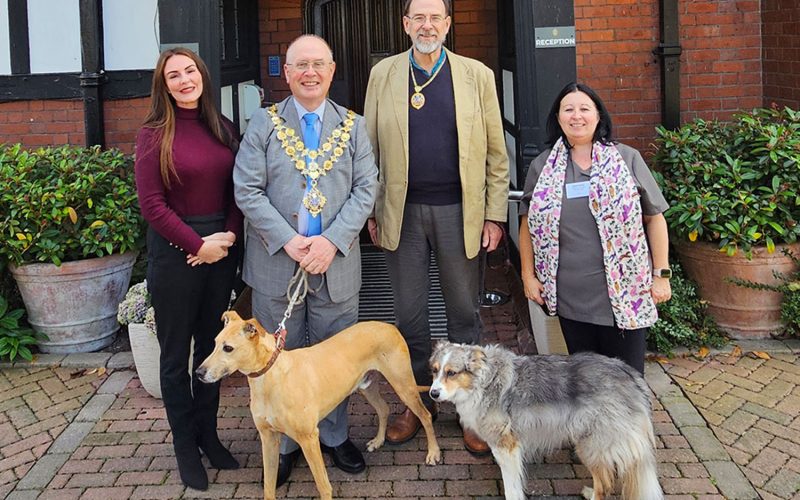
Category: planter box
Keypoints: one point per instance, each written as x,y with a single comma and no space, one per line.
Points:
744,313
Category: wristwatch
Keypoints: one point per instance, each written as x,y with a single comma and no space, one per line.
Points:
662,273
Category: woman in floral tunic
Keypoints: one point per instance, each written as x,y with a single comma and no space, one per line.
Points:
594,243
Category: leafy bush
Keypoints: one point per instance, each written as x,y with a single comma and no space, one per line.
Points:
67,203
789,286
735,183
15,340
682,320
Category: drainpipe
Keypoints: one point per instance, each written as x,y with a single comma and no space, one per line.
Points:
92,75
669,51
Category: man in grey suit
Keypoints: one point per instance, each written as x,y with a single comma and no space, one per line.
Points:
305,179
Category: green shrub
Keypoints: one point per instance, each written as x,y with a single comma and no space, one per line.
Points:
15,339
67,203
734,183
682,320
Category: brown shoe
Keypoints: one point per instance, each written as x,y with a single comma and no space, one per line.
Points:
475,445
404,427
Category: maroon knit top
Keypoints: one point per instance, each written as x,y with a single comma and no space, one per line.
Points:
204,185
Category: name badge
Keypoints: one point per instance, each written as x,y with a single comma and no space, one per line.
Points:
578,190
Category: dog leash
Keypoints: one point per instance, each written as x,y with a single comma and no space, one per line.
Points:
300,283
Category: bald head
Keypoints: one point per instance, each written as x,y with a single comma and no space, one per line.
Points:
306,41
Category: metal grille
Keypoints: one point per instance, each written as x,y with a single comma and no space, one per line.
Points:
375,300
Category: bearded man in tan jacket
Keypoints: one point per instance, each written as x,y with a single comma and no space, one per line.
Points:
434,121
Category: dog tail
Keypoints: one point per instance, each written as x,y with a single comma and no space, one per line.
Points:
640,479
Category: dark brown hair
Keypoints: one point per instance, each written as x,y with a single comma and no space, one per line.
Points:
448,8
603,132
161,115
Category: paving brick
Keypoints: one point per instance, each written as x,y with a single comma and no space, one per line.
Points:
471,488
106,493
768,461
753,441
43,471
157,492
730,480
784,484
406,488
740,421
689,485
139,478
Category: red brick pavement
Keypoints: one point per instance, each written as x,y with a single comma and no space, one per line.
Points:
127,453
35,406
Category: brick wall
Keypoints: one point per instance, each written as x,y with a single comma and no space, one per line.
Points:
41,123
475,24
122,121
280,22
781,52
721,60
615,40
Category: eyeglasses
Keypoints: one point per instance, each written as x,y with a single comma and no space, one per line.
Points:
420,19
304,65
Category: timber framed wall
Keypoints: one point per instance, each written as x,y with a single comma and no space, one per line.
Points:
736,54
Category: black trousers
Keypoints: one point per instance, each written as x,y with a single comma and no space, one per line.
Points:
611,341
188,302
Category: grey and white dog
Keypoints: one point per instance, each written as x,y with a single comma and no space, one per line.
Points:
526,406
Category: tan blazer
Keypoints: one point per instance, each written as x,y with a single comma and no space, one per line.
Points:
483,165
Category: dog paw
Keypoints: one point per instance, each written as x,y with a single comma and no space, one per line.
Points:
434,457
588,493
374,444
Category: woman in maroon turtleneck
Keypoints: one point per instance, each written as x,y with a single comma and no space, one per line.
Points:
184,163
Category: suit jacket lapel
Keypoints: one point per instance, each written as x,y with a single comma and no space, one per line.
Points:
398,75
464,96
330,120
289,115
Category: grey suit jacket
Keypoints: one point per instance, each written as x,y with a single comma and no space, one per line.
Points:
269,189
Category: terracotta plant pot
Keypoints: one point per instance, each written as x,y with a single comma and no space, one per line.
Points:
744,313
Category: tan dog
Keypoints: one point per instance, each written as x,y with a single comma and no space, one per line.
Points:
304,385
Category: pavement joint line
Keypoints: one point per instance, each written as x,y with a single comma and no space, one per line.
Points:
701,438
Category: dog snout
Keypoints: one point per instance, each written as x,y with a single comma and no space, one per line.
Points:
435,393
202,374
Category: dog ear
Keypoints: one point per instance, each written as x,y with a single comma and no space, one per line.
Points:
476,360
229,316
250,329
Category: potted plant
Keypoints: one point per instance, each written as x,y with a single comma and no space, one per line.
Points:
71,230
734,195
136,312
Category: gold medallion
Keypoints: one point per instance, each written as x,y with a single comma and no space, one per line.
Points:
417,100
314,200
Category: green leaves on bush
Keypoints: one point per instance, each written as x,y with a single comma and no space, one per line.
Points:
736,183
67,203
682,320
15,340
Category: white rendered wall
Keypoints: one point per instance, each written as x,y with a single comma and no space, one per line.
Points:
130,34
54,31
5,43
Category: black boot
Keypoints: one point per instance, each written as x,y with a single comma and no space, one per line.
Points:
217,454
191,469
205,405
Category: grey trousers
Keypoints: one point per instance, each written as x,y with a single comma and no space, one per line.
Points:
313,321
437,228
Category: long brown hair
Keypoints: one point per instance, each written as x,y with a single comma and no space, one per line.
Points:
161,115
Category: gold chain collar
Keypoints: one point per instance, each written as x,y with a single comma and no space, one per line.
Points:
333,147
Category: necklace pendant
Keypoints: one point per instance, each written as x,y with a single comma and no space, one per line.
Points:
314,201
417,100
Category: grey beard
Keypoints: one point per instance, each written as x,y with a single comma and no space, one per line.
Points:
429,47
